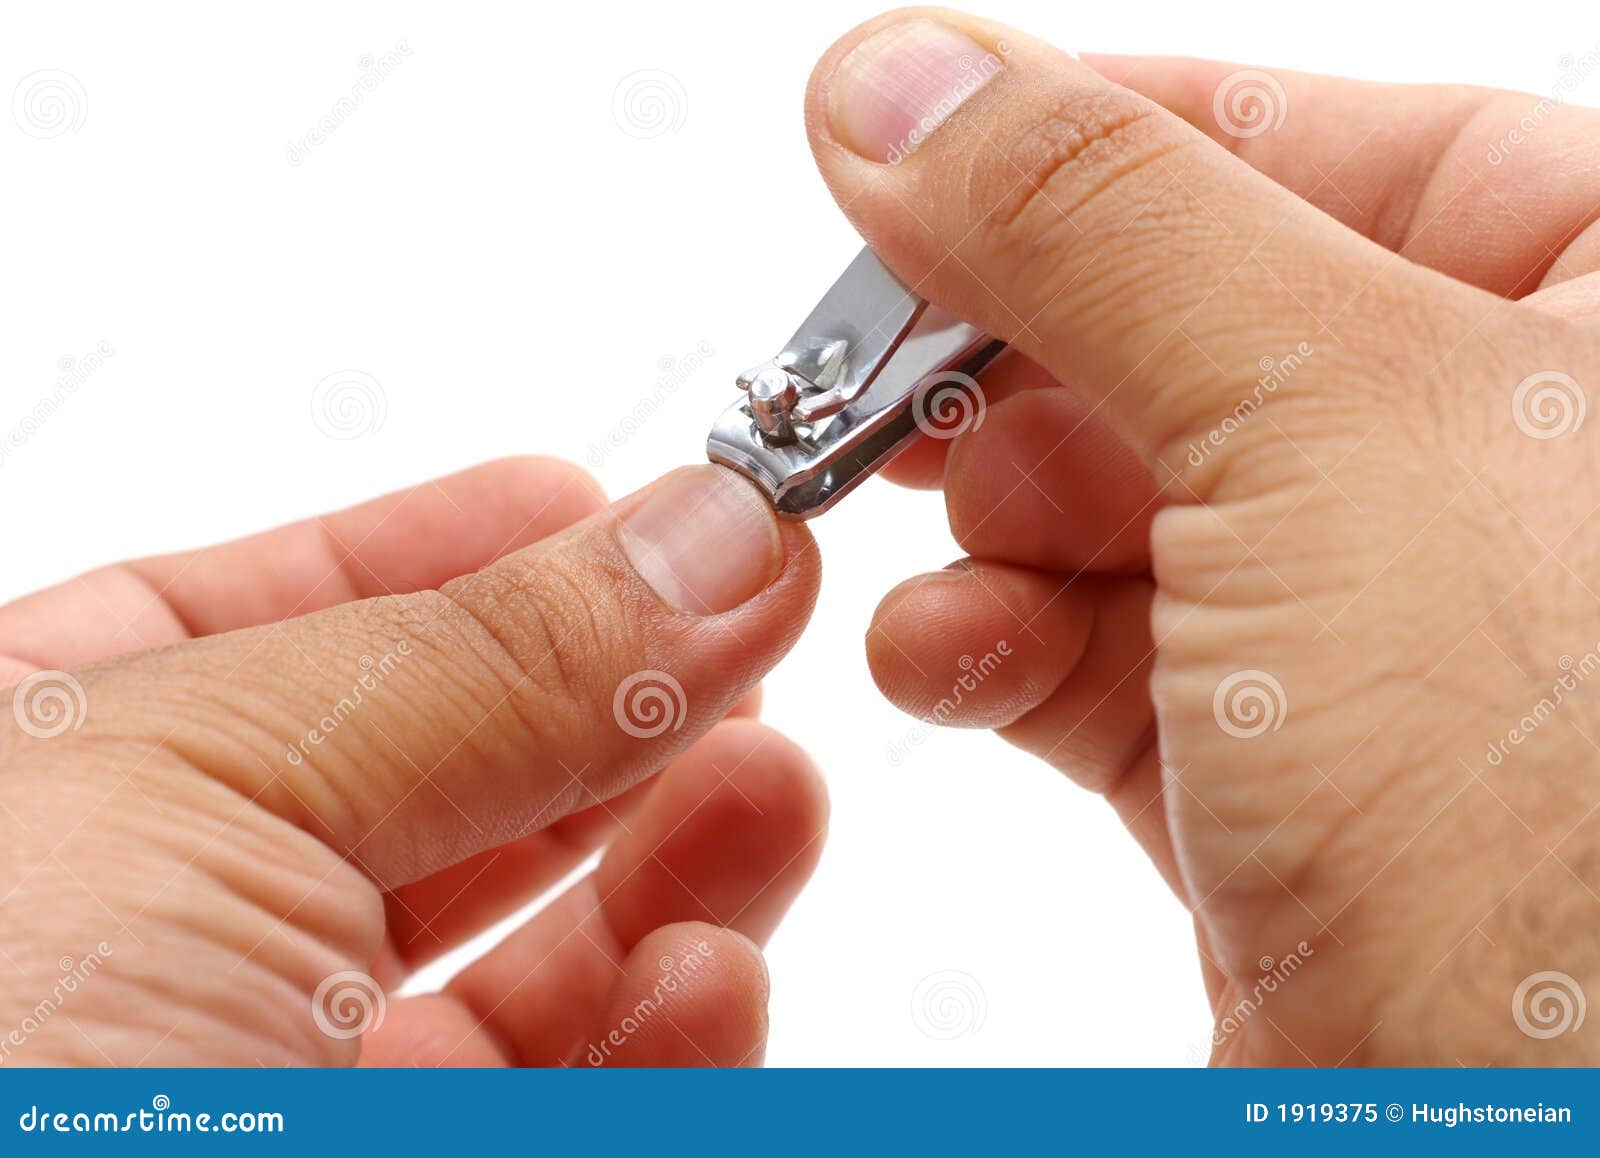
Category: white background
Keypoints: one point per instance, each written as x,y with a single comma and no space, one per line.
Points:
513,269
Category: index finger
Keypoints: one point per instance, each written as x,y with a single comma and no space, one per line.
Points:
1499,189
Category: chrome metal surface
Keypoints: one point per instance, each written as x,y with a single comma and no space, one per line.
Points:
842,396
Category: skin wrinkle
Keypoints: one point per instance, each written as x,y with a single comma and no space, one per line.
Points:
1088,162
212,886
1345,554
1334,558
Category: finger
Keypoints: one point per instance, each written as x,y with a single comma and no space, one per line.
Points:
417,730
921,465
732,843
979,644
728,835
1046,483
1495,188
688,995
406,541
1057,666
662,1012
429,917
1040,479
432,916
1060,668
1577,299
1100,234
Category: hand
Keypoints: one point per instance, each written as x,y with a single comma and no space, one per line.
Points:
344,747
1282,511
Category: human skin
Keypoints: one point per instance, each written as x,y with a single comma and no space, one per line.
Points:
1283,504
244,865
1391,546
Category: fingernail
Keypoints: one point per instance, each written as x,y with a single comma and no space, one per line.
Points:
704,539
899,85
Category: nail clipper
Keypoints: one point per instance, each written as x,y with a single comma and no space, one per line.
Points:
854,386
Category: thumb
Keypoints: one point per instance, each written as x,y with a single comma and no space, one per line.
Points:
1118,246
414,730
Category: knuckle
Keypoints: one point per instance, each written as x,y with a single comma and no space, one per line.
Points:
1077,147
548,640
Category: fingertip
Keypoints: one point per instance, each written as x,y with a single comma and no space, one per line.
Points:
820,84
978,645
920,467
690,994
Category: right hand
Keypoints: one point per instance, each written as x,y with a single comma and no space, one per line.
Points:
1276,507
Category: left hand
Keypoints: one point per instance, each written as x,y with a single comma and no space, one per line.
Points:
279,775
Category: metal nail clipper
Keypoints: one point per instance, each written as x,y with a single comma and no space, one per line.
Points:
848,392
